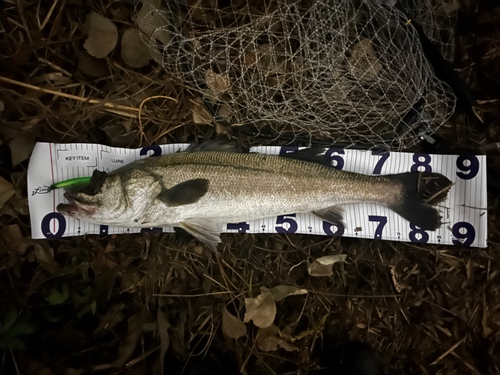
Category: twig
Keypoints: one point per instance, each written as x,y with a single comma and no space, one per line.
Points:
193,295
47,17
141,127
456,345
69,96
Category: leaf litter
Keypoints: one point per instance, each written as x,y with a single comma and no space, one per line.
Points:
443,312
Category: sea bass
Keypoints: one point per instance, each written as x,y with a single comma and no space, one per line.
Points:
212,184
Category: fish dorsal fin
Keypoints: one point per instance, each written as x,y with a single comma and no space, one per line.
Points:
312,154
204,230
333,214
187,192
219,144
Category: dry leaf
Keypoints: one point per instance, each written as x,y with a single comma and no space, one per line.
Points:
102,35
90,65
110,320
363,62
324,266
232,326
272,343
163,326
281,291
217,83
399,287
21,147
150,20
128,344
46,258
133,50
6,191
200,113
261,310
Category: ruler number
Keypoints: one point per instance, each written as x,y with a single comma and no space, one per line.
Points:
334,157
156,151
382,221
469,171
468,236
421,163
418,235
284,221
339,229
380,163
47,219
240,227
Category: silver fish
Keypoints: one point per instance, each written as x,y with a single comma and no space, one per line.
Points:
208,186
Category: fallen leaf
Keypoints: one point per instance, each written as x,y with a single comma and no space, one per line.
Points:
218,83
281,291
363,62
90,65
110,320
163,326
232,326
324,266
45,257
133,50
6,191
102,35
272,343
21,147
200,113
261,310
150,20
399,287
56,297
128,343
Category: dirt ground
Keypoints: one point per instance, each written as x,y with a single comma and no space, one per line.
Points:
135,304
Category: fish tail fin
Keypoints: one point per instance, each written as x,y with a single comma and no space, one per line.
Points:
420,193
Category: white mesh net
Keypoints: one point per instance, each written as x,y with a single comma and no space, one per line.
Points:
350,71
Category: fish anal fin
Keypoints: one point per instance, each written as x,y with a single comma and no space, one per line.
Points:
333,215
312,154
218,144
187,192
205,231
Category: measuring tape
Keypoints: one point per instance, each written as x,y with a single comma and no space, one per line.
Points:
464,211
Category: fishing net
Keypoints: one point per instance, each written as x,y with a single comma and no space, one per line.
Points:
351,71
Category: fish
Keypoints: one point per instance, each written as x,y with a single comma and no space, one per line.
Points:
218,182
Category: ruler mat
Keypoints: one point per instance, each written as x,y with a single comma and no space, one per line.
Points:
464,211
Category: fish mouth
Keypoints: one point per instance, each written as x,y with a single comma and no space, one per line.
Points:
76,207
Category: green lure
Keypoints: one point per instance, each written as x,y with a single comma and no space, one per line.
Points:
72,182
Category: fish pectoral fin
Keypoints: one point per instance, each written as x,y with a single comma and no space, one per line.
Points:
333,214
205,231
186,192
218,144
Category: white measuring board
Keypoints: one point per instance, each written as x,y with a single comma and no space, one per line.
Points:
464,211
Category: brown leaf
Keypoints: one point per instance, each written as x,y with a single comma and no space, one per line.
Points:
163,326
110,320
6,191
272,343
150,20
232,326
324,266
218,83
261,310
102,36
200,113
363,62
128,343
45,256
133,50
281,291
21,147
90,65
